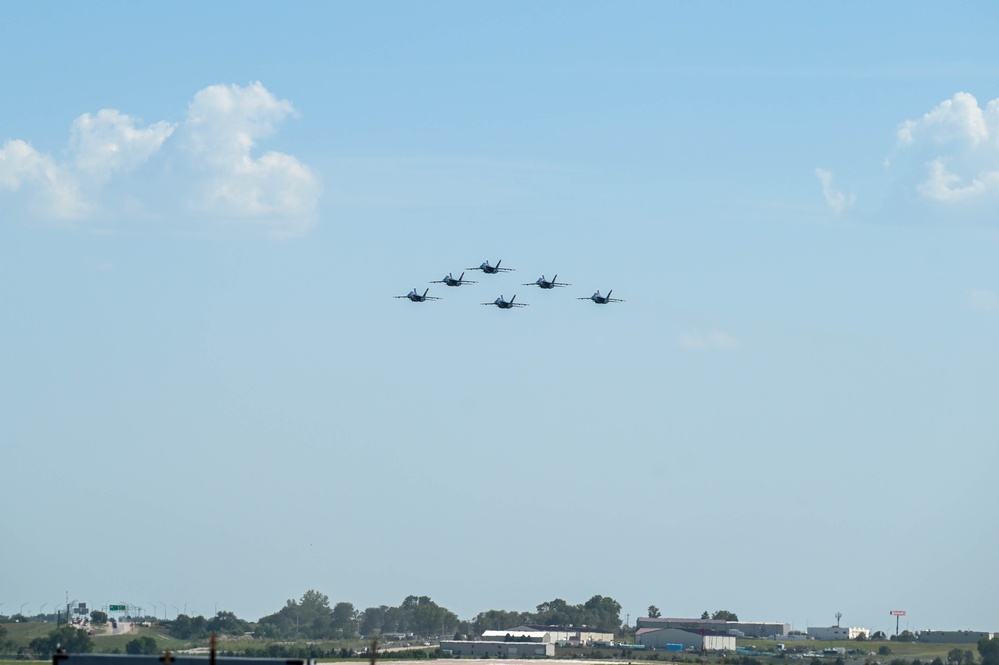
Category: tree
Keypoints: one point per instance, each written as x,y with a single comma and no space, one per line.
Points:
879,635
144,645
98,618
654,612
344,621
725,615
705,615
227,623
604,613
71,639
904,636
884,650
989,650
498,620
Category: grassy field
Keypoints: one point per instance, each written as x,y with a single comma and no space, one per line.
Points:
22,633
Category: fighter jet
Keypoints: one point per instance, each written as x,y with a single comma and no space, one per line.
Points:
416,297
451,281
545,284
602,300
491,270
503,304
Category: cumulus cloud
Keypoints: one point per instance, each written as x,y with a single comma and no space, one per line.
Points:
45,187
203,167
711,340
109,142
957,142
982,300
836,199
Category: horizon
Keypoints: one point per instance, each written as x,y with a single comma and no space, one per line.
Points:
212,395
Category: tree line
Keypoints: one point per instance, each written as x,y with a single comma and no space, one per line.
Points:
313,617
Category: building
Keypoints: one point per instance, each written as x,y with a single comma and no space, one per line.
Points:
747,628
953,636
497,649
568,634
659,638
517,636
836,633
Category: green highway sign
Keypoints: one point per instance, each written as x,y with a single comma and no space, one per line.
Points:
118,608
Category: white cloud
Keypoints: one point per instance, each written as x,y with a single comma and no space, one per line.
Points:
110,142
836,199
223,126
955,120
957,142
201,168
44,187
982,300
711,340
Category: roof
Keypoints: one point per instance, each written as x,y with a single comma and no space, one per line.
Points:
514,633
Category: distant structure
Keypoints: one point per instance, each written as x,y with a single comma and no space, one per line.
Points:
740,628
680,639
574,635
836,633
513,643
953,636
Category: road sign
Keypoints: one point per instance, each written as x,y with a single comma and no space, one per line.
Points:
118,608
898,613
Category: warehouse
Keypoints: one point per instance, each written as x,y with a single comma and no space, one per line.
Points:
747,628
953,636
658,638
836,633
484,649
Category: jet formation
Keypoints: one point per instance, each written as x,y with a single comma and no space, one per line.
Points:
502,302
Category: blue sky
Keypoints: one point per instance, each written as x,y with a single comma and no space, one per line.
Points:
212,399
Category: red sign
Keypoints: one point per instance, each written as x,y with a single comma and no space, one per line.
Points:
898,613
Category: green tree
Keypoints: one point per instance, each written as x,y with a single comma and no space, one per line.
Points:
144,645
372,620
73,640
884,650
988,649
725,615
344,621
654,612
705,615
604,613
227,623
98,618
498,620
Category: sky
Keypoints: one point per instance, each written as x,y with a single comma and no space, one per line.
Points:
211,399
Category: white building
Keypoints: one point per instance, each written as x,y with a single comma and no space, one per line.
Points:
490,649
658,638
836,633
566,634
953,636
